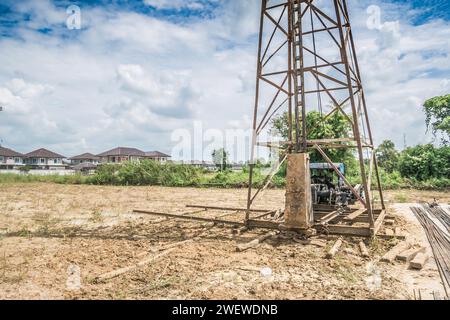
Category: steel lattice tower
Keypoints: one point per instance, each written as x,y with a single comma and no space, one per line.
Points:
307,62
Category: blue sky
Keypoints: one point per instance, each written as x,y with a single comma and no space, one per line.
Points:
138,71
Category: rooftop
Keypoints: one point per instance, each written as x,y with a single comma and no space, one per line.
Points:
123,151
5,152
156,154
85,156
43,153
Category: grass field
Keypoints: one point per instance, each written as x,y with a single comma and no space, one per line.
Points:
48,230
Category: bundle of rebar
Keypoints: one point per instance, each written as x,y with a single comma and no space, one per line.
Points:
439,241
439,213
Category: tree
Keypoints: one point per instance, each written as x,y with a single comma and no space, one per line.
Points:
387,156
425,162
220,158
335,126
437,111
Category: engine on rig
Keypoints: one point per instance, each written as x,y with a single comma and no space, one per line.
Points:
328,188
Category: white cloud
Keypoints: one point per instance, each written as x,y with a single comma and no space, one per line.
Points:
131,79
175,4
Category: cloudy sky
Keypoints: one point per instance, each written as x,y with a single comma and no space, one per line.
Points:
138,70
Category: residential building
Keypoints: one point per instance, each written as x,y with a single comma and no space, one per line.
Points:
85,158
10,159
44,159
121,154
157,156
85,168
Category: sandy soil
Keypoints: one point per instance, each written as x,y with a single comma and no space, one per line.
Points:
56,239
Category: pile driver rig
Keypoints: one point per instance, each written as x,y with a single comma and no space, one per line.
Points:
307,62
306,57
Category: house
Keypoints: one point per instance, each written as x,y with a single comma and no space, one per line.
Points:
85,158
121,154
10,159
157,156
85,168
44,159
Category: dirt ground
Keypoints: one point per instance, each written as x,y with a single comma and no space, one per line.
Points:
55,240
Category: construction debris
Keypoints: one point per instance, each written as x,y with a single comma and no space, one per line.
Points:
409,254
311,241
334,249
439,241
363,249
419,261
160,252
392,254
118,272
439,213
254,243
318,243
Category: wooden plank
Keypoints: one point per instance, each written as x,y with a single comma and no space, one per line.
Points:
329,217
177,216
225,208
166,218
392,254
378,223
348,230
334,249
386,237
265,215
355,214
409,254
363,249
419,261
314,242
263,224
118,272
255,242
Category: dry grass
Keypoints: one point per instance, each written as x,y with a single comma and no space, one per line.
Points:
47,227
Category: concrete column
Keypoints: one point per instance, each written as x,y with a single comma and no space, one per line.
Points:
299,211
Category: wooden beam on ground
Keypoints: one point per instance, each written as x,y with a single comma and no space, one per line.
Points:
419,261
329,217
177,216
355,214
255,242
165,219
378,223
118,272
263,224
347,230
409,254
334,249
392,254
386,237
265,215
364,218
225,208
363,249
